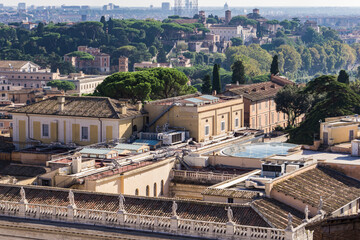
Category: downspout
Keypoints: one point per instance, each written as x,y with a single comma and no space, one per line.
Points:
101,124
28,126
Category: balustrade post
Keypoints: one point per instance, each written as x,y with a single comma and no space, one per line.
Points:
174,223
248,232
70,213
230,229
138,220
211,229
121,217
86,216
37,211
22,209
268,234
103,218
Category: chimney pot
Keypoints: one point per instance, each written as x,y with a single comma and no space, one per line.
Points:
61,103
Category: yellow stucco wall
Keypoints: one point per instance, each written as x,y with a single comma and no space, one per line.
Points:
22,130
36,130
194,119
125,128
339,134
109,135
76,133
94,136
54,132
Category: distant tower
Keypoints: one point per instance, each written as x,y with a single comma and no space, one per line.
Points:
202,16
123,64
256,11
195,7
178,7
227,16
226,6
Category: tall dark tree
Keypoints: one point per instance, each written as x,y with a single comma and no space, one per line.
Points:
216,78
293,102
206,87
110,25
103,21
274,65
259,31
40,29
343,77
161,57
238,74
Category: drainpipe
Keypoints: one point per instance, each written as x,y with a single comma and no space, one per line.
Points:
101,124
28,126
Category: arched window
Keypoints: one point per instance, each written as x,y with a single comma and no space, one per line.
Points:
136,192
155,190
162,188
147,190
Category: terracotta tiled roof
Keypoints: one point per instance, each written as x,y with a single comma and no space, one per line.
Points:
99,107
231,193
335,188
197,210
22,170
276,212
14,64
255,92
259,91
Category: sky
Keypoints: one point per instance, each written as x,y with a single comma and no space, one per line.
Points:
156,3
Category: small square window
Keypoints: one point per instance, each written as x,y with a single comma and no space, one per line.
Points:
230,200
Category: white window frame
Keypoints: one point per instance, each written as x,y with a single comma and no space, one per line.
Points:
221,126
81,134
42,130
208,131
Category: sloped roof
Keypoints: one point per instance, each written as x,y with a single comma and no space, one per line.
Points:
14,64
276,212
335,188
255,92
22,170
231,193
187,209
99,107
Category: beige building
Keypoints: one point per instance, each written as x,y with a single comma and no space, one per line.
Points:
205,117
151,65
259,105
79,120
339,130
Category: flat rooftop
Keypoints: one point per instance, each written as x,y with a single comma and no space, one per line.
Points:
329,157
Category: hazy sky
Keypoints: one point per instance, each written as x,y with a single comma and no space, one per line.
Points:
237,3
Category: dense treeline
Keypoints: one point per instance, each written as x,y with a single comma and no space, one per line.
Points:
47,44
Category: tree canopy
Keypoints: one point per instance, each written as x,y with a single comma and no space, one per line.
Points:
61,85
145,85
332,99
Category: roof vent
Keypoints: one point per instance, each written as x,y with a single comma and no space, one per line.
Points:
254,90
272,86
263,88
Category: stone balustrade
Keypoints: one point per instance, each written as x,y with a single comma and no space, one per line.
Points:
173,225
201,176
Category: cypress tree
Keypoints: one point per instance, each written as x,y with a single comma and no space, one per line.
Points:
274,65
343,77
161,57
206,87
259,31
216,78
103,21
238,74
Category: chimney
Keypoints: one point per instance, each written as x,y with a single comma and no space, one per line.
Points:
76,163
138,105
123,109
61,103
214,93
